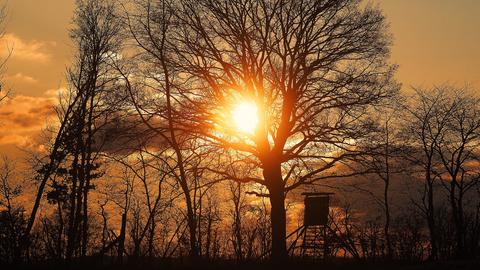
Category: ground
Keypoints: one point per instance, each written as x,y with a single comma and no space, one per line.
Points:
231,265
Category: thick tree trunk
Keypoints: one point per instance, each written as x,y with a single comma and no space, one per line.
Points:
278,219
275,185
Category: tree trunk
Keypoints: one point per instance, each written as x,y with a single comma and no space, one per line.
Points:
191,218
431,222
278,219
121,237
85,219
275,185
387,222
54,159
457,214
385,191
192,227
88,168
60,231
72,210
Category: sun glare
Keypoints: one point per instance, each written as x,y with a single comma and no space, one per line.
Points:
245,116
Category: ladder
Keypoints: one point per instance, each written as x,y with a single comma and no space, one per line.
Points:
313,242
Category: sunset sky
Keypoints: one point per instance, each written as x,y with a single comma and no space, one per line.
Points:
435,41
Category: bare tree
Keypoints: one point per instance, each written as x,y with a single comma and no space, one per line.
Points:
144,167
237,214
458,149
12,220
3,15
312,68
385,156
150,26
73,154
427,121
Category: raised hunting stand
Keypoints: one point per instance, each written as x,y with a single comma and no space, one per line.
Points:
313,232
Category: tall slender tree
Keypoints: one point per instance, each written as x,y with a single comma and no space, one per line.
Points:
155,94
458,150
72,163
427,122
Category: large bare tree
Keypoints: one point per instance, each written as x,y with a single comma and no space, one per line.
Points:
312,68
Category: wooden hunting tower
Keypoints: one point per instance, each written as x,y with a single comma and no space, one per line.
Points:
316,208
313,232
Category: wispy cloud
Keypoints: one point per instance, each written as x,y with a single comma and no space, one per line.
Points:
22,118
31,50
56,92
20,77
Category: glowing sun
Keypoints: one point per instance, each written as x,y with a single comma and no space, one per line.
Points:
245,116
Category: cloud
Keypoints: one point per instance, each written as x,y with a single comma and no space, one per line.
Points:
31,50
22,118
124,135
20,77
55,93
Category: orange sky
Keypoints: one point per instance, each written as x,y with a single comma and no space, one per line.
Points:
436,41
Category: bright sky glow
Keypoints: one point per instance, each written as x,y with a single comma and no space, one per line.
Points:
245,115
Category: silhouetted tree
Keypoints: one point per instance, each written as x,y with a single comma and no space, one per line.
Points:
3,14
385,152
154,94
426,123
72,160
313,69
442,128
12,220
458,149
